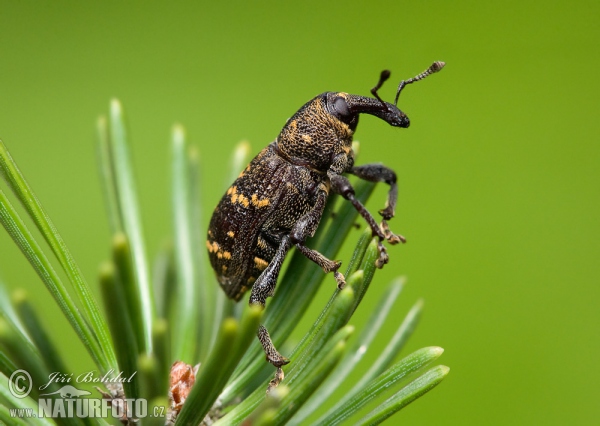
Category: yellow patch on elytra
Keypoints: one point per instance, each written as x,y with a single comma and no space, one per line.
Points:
259,203
238,198
260,263
224,268
210,234
226,255
251,280
212,247
230,234
233,192
262,243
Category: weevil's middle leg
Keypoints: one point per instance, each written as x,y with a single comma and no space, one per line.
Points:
306,227
326,264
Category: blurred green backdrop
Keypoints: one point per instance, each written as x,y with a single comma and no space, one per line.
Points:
499,172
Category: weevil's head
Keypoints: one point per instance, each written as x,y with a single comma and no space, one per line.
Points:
346,108
324,126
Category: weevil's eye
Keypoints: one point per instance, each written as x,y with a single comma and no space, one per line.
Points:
341,107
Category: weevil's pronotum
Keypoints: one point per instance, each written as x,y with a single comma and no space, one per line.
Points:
277,201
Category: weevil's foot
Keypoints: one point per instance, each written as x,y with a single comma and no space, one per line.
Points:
389,235
277,359
341,281
335,266
276,380
383,256
387,213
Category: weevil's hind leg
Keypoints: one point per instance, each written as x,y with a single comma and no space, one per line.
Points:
380,173
273,356
341,185
263,288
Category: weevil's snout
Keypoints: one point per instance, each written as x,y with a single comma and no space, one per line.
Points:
394,116
384,110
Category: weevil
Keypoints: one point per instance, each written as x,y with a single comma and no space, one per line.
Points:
277,201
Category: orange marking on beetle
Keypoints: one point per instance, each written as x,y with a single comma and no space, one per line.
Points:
233,192
240,198
259,203
306,138
230,234
212,247
260,264
251,280
262,243
224,268
226,255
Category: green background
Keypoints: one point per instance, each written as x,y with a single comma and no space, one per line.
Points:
499,172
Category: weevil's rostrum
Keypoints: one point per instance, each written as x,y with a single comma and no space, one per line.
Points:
278,199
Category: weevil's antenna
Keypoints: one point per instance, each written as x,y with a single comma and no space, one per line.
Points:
435,67
385,74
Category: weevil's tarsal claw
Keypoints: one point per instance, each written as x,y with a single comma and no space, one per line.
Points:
389,235
273,356
276,380
341,281
383,256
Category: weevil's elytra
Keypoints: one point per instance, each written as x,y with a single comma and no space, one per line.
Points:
277,201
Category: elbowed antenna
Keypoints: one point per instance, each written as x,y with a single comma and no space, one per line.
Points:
385,74
435,67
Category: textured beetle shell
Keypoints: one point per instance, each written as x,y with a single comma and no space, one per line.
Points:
275,190
258,209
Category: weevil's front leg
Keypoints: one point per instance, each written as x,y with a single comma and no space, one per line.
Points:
263,288
380,173
306,227
342,186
